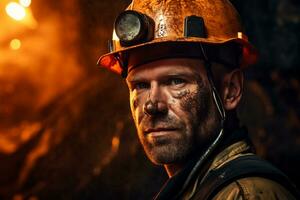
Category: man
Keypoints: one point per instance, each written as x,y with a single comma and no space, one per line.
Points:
183,64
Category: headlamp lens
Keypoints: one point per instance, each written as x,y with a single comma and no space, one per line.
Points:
128,27
133,28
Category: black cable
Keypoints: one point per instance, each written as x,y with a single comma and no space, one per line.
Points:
218,102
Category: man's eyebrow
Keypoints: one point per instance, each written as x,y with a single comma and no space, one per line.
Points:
134,80
179,74
184,75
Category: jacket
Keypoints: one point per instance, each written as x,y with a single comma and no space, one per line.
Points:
247,188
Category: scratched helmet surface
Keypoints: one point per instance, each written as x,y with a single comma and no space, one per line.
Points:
221,26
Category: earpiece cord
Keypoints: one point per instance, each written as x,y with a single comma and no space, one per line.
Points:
221,110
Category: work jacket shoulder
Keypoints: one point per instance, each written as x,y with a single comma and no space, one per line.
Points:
252,188
237,174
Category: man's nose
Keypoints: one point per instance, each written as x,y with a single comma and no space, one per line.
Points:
155,104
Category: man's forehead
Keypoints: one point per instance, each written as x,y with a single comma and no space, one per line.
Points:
171,66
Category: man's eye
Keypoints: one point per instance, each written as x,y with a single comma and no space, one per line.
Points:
177,82
141,85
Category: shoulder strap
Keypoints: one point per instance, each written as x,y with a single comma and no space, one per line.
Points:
244,166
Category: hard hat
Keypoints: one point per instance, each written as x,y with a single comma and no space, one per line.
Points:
155,29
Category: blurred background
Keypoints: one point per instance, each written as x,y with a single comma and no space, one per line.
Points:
65,127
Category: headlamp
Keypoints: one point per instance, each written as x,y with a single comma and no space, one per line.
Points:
133,27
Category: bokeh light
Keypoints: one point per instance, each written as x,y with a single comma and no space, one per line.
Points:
15,44
25,3
115,143
15,11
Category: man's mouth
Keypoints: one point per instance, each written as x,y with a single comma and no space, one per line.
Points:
159,131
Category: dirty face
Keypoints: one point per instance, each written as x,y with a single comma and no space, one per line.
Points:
172,108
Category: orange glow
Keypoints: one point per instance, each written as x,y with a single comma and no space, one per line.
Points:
18,197
115,144
25,3
15,44
40,150
31,80
15,11
12,139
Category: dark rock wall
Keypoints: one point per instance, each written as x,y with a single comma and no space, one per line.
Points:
273,87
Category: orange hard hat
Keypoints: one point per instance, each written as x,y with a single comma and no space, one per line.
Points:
154,29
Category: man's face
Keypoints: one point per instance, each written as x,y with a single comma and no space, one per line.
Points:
172,108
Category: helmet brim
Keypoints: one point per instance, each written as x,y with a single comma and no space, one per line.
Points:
110,60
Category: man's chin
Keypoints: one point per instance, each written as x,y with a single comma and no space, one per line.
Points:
162,155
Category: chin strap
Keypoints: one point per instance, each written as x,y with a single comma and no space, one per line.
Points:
220,107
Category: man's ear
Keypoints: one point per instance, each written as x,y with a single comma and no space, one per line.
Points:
233,84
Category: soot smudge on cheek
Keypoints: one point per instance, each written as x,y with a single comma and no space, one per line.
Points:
189,101
192,101
196,103
182,93
178,95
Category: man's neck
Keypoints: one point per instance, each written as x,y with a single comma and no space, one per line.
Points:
173,169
